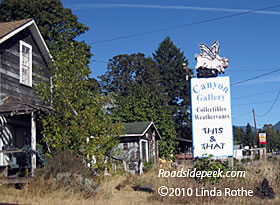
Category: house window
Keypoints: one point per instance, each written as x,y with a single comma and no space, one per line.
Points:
25,63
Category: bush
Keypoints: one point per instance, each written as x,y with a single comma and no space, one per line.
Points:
209,164
148,166
66,171
64,162
76,183
246,160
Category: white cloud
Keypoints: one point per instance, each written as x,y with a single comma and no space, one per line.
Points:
172,7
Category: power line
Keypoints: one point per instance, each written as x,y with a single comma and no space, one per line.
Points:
271,106
241,115
256,77
246,96
184,25
254,103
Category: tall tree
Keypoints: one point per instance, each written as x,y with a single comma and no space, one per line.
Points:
141,105
170,61
250,136
126,71
58,25
80,121
272,137
136,82
239,134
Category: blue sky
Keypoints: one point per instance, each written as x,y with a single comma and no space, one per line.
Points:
249,41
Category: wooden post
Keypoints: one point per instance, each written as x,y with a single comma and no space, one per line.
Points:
33,143
230,162
256,127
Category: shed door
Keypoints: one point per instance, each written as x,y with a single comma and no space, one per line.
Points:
144,150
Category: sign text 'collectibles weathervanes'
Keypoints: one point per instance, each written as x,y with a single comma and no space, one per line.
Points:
211,117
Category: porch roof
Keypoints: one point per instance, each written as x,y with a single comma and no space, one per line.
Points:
11,105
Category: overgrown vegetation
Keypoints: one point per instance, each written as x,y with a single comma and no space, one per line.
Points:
74,186
151,89
80,121
209,164
248,136
66,171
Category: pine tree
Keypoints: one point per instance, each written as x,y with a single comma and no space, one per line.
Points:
176,89
136,83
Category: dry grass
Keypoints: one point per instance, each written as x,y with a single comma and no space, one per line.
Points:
118,189
254,176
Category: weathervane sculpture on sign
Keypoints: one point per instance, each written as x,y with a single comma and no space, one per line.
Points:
209,63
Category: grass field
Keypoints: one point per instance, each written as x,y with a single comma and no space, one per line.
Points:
119,189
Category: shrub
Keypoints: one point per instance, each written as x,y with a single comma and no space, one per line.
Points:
209,164
64,162
148,166
66,171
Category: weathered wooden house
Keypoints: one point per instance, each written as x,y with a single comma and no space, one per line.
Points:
140,144
24,59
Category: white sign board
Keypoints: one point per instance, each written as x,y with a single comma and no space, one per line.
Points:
211,117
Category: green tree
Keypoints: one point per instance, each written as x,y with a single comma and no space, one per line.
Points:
272,137
239,134
249,137
136,82
57,24
80,121
141,105
176,89
126,71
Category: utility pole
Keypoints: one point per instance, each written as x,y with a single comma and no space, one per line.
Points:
255,126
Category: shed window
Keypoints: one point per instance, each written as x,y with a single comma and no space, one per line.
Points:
25,63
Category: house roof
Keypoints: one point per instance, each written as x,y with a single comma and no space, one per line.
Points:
138,128
9,29
16,106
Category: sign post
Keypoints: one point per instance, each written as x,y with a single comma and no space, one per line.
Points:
211,105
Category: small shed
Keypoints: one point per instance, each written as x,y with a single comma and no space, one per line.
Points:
140,144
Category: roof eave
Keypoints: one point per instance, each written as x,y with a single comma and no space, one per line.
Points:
36,34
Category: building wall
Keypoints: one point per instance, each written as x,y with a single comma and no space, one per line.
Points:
9,67
130,147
